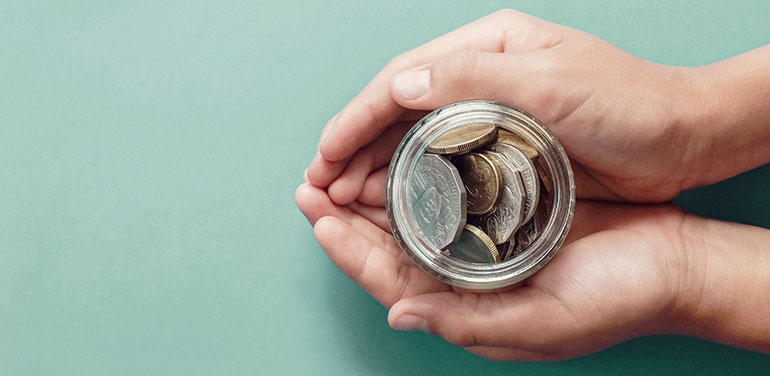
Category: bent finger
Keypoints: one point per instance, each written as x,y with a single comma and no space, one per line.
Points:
373,193
387,277
374,109
347,187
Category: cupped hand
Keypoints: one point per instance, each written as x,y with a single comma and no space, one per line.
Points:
618,276
626,123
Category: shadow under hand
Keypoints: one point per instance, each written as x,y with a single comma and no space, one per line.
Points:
744,199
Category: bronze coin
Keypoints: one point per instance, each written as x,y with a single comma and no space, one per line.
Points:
483,181
510,138
475,246
463,139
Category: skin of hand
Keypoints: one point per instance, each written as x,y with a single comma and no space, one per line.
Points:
618,276
632,128
629,127
624,271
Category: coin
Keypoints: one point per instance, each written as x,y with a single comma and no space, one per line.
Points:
474,246
482,179
438,200
463,139
547,185
509,138
507,249
508,213
528,175
526,235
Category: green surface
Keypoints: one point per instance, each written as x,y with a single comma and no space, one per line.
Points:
149,153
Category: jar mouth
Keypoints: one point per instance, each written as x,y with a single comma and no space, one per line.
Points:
560,203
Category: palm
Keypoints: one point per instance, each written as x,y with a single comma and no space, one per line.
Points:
357,239
612,271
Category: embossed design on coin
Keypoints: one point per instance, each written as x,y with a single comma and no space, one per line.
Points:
527,235
463,139
528,175
482,179
474,246
507,137
437,199
508,214
507,249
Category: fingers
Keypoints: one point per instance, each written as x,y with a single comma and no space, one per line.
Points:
362,250
525,318
465,75
373,193
347,187
374,108
385,275
328,125
321,172
314,204
373,214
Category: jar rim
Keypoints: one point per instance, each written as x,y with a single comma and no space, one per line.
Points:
460,273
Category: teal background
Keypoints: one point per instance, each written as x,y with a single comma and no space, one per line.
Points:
149,153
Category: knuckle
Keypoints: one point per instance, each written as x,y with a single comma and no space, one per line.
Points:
400,61
506,13
402,281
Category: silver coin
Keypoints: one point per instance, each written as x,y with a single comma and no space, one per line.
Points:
474,246
529,232
526,235
528,175
507,249
437,199
508,212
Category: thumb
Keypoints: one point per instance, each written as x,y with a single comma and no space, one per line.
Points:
523,318
466,75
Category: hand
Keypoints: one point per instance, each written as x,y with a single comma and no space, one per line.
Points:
626,123
629,127
618,276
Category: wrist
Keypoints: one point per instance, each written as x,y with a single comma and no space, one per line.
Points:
723,284
728,117
689,266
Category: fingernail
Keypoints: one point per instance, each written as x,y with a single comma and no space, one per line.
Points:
409,321
412,85
304,176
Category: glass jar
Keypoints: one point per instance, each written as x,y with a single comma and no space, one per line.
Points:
557,199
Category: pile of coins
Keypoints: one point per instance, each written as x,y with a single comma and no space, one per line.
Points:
479,195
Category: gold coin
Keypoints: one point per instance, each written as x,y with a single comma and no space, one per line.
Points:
510,138
483,181
463,139
475,246
544,178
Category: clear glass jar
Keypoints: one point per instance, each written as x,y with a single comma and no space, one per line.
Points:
559,201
